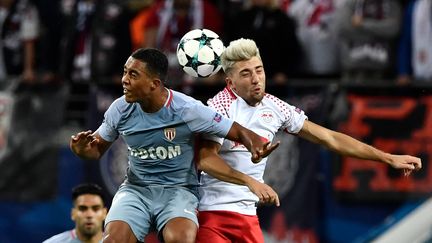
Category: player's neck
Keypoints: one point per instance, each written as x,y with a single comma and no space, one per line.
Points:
158,101
93,239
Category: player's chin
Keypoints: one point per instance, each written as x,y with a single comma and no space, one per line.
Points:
129,99
258,97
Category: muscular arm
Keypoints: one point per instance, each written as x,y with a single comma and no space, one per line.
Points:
88,145
210,162
252,141
349,146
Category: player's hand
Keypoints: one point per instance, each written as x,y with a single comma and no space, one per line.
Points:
264,151
83,142
407,163
265,193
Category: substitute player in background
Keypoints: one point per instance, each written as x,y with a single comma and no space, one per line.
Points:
227,212
88,213
158,125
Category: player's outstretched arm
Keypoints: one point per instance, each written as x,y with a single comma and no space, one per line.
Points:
257,145
349,146
88,145
210,162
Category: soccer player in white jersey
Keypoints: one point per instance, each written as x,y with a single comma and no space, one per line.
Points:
159,127
227,212
88,213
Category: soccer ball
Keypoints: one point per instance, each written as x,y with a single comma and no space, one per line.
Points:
198,52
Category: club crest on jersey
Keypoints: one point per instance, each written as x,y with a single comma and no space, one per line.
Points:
170,133
217,117
267,116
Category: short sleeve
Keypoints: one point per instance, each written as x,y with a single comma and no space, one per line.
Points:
108,129
203,119
293,119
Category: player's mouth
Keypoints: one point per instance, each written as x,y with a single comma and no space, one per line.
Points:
257,90
89,225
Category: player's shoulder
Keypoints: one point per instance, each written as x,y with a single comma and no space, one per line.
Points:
179,101
60,238
179,98
120,105
272,98
222,101
223,98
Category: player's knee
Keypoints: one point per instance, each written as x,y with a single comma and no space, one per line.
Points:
183,236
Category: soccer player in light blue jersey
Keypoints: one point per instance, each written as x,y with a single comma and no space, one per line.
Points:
159,126
88,213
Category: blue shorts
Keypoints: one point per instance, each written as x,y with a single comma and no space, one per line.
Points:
144,208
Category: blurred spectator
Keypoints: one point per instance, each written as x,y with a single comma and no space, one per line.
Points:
137,25
368,31
49,40
95,40
275,34
415,47
19,23
316,32
228,8
169,20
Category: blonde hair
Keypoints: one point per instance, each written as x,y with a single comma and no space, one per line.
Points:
238,50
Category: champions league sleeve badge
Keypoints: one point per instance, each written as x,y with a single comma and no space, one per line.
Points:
217,117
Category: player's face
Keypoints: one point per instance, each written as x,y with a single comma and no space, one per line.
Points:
136,81
247,79
88,213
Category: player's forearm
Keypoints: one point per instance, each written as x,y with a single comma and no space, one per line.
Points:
242,135
342,143
219,169
348,146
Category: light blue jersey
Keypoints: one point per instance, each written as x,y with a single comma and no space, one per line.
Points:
161,144
65,237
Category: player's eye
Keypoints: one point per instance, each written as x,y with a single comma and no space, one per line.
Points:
96,208
244,74
82,208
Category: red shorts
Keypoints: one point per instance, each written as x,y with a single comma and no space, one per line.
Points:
225,226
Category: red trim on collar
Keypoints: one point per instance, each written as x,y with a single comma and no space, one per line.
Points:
234,96
73,234
170,98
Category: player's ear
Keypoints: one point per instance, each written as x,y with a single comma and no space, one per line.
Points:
228,81
105,212
73,211
156,83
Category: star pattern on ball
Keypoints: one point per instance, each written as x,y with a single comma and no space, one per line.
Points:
196,53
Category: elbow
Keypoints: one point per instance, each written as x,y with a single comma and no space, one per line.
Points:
204,165
202,162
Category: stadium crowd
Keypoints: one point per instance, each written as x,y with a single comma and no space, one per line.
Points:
46,41
82,43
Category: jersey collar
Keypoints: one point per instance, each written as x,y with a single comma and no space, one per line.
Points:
169,98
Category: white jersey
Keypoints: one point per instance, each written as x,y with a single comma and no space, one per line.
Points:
265,119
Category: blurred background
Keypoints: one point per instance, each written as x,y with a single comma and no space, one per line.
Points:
362,67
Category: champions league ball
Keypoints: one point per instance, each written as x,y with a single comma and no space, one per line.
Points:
198,52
